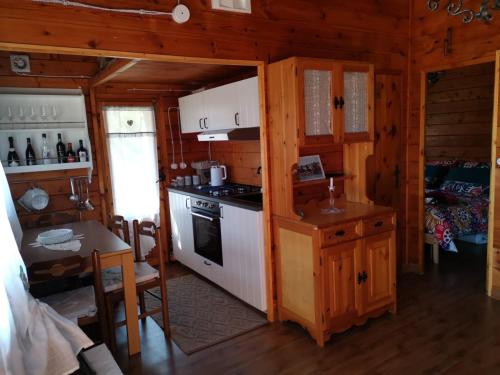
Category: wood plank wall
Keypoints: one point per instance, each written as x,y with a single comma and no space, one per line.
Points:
55,183
372,30
471,44
459,110
242,159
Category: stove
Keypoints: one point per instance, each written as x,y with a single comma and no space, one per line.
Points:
228,190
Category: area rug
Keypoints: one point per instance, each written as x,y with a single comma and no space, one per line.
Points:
201,315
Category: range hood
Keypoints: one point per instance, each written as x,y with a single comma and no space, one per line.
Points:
243,134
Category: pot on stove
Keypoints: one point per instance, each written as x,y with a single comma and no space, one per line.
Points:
218,174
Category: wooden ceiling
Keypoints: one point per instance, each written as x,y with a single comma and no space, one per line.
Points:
169,74
183,74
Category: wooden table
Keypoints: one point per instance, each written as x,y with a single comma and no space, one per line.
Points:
113,252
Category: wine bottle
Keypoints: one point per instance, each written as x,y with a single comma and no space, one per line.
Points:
12,158
45,150
30,153
61,150
70,155
82,153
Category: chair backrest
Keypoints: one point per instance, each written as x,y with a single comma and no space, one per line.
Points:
149,229
57,269
118,223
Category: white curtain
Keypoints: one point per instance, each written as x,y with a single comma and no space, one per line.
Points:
131,139
34,339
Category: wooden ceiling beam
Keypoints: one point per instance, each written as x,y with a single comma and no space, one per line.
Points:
112,70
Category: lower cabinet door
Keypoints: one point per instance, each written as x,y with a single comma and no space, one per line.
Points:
182,228
379,274
340,288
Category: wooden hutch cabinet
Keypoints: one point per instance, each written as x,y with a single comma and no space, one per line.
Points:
333,270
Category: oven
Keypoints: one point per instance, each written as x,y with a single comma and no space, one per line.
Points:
206,229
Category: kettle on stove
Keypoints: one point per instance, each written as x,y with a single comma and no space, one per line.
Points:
218,174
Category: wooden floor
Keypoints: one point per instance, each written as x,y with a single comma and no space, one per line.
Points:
445,324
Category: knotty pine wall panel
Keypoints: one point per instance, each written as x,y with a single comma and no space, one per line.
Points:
473,43
458,117
371,30
242,159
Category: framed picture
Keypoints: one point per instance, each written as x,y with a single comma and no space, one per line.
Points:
310,168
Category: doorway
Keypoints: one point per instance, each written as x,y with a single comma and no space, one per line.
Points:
457,166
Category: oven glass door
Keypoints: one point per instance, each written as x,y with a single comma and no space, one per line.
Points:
207,238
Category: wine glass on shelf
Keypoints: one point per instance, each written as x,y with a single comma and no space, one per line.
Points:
10,114
32,112
43,112
21,113
54,112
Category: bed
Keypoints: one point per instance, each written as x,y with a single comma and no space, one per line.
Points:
456,203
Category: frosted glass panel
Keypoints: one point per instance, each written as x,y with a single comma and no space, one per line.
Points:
317,99
356,102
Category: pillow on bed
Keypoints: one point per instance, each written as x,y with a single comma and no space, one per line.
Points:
462,188
476,175
434,175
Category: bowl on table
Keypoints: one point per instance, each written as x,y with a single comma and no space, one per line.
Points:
54,236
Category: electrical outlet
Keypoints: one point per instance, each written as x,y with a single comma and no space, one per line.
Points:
20,63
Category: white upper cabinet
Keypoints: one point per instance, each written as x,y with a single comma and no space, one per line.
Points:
231,106
192,113
248,115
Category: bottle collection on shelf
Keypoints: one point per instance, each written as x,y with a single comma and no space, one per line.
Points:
63,155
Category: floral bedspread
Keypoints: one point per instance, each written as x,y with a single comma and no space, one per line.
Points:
449,215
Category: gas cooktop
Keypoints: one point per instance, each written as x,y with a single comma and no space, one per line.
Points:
227,190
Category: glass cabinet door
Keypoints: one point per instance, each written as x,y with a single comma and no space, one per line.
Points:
356,103
317,102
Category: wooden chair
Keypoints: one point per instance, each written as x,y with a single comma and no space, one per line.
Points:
117,224
85,305
147,278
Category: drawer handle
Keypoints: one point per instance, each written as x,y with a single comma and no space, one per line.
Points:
339,233
206,263
378,224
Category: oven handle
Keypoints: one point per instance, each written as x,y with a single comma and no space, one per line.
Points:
202,216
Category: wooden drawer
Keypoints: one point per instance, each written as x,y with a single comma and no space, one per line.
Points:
378,224
340,233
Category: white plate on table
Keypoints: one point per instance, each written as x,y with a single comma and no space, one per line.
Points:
54,236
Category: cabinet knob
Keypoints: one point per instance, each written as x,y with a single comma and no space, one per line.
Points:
341,102
360,278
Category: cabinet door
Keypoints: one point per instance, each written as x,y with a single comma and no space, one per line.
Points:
380,267
357,102
340,265
221,105
243,254
191,111
182,228
317,84
248,115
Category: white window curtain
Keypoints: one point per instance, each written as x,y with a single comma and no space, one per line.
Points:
131,139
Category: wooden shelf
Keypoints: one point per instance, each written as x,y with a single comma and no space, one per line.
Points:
47,167
325,181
